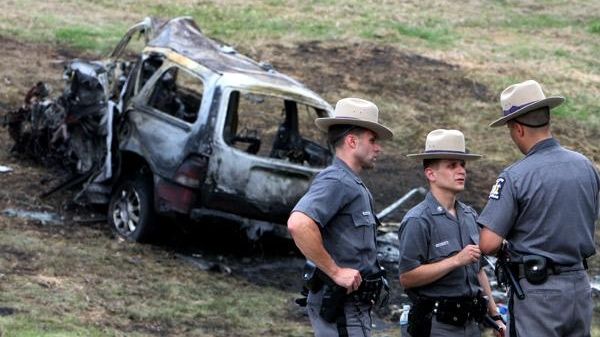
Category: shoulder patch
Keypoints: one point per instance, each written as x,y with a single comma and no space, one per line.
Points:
497,189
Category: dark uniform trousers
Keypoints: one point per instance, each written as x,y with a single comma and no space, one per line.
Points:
355,322
543,311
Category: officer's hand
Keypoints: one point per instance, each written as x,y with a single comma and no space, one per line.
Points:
347,278
502,331
468,255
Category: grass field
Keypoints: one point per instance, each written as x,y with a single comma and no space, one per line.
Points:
81,281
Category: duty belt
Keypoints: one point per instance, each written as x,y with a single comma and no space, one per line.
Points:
520,269
455,310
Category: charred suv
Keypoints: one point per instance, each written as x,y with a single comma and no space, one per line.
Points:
192,128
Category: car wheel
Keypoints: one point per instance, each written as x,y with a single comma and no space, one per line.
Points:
130,211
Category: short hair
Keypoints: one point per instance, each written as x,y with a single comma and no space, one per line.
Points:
535,118
430,162
337,133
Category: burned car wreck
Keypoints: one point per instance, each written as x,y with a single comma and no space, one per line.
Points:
186,127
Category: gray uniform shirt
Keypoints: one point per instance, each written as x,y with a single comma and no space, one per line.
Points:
429,234
340,204
546,204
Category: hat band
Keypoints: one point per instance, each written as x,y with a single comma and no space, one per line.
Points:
355,118
516,107
444,151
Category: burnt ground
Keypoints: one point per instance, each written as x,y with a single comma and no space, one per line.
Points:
376,71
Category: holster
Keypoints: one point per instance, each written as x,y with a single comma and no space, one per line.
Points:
374,289
333,300
506,275
334,296
534,268
419,318
311,278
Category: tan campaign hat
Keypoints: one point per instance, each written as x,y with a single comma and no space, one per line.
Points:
445,144
520,98
358,112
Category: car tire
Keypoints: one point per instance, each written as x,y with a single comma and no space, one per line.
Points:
130,212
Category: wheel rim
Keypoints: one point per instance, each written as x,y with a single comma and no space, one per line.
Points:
126,212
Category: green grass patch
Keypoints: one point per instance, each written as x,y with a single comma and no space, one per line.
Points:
581,107
25,325
41,28
525,51
536,21
229,23
89,38
545,21
561,53
594,26
432,32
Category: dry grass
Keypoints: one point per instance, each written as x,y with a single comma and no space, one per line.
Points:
73,282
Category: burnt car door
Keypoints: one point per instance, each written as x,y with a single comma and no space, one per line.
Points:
266,151
162,117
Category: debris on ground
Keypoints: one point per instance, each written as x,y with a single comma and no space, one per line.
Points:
70,131
45,218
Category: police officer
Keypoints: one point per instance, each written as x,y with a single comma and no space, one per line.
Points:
334,224
545,206
439,255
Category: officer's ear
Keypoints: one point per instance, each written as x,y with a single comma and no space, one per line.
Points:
430,174
429,169
516,128
351,140
520,129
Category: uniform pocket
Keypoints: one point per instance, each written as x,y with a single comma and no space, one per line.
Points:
364,228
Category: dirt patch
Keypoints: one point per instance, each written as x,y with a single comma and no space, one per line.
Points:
16,261
374,70
23,64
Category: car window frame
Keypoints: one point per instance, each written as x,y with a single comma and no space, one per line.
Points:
146,92
224,108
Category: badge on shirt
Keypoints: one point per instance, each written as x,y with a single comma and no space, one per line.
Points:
497,188
441,244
